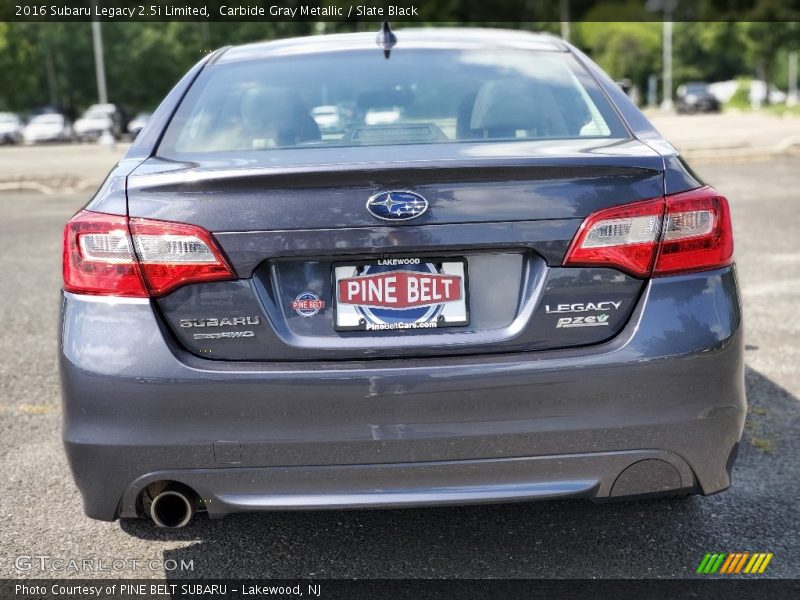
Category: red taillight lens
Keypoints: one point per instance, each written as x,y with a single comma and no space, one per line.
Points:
115,256
685,232
98,257
697,233
625,237
173,254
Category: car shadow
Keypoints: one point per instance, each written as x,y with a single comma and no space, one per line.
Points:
563,538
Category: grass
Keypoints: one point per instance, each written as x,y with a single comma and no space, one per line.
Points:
783,110
754,426
766,445
740,101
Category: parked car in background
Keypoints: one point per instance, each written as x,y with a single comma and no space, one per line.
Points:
47,109
138,122
695,97
383,115
97,119
757,93
328,117
48,127
10,128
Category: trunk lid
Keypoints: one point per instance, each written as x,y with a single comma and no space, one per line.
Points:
289,220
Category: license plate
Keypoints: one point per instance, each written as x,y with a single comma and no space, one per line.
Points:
395,294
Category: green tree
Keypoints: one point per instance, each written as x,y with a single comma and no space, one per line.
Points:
763,42
708,52
624,49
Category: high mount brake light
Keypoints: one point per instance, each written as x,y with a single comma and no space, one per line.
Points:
111,255
682,233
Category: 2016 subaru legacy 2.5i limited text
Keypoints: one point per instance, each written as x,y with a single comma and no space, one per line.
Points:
491,280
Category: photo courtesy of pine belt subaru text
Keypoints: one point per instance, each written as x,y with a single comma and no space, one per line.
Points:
439,266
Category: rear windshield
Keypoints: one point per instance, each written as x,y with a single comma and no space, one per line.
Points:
417,96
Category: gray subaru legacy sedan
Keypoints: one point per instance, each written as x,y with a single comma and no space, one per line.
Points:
456,266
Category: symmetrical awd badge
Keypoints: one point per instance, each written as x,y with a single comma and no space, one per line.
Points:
397,205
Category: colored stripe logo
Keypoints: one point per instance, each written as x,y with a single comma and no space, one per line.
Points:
731,563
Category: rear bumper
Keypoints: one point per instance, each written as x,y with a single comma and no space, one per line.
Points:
591,475
664,399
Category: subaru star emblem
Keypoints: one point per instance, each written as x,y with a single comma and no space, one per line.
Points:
397,206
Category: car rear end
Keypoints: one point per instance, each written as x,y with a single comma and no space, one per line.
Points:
516,290
10,128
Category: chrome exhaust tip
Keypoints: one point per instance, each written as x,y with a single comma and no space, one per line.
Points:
171,508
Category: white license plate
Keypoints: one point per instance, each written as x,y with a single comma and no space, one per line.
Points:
400,294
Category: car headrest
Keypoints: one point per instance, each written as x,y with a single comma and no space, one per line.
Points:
517,104
278,112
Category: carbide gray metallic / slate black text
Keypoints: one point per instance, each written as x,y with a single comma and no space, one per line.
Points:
542,303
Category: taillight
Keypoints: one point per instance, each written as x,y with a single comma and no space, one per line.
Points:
98,257
623,236
682,233
173,254
116,256
697,233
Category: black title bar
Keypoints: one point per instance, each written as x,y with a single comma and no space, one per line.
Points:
399,589
459,11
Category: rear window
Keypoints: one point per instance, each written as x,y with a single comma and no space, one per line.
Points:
418,96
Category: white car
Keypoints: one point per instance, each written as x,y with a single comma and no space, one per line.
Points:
383,116
724,90
328,118
138,122
97,119
49,127
10,128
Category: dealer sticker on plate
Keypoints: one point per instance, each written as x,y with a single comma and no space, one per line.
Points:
401,294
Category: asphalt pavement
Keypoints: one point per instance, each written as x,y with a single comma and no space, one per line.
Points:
41,516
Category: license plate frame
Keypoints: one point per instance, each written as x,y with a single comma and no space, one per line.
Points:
423,317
